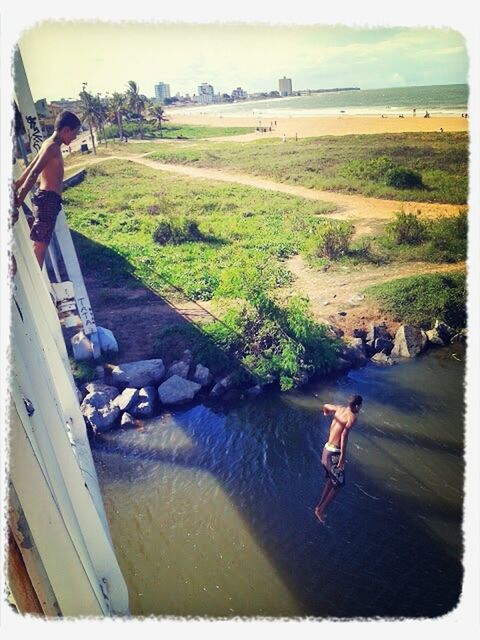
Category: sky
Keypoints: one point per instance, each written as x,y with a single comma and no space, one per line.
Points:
60,55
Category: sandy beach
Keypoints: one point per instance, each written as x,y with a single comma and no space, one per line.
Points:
307,126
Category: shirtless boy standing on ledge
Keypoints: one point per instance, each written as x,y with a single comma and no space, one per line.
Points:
333,456
48,167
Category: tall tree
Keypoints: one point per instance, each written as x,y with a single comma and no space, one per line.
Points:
157,114
89,113
117,106
136,101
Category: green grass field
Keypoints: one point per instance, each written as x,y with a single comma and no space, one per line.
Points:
326,163
119,205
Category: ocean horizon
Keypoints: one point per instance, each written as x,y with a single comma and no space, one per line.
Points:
450,99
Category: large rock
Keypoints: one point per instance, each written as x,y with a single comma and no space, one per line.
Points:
101,387
409,341
354,352
127,398
177,390
377,331
382,358
107,340
144,405
142,373
202,375
383,344
445,332
100,411
222,385
180,368
461,336
434,338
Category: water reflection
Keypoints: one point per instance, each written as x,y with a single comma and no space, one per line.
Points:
211,510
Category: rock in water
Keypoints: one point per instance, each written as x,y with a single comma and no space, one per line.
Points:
127,398
202,375
382,358
144,406
180,368
100,411
142,373
409,341
177,390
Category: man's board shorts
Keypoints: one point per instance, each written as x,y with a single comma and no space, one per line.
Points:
330,458
47,207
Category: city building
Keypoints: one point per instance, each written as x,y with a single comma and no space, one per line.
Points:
239,94
285,86
162,91
205,93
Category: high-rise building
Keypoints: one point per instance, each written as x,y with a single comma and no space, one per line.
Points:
285,86
162,91
239,94
205,93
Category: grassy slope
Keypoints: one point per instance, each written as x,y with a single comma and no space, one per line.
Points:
441,158
118,206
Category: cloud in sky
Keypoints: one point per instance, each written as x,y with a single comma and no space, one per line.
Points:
59,56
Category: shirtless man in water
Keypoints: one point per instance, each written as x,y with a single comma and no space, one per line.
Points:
333,456
47,167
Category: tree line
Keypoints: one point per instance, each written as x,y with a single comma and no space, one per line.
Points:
129,106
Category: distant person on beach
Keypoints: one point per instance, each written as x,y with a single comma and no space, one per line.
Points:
334,452
414,112
284,138
47,168
427,115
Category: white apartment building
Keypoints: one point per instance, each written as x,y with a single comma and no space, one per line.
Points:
205,93
239,94
285,86
162,91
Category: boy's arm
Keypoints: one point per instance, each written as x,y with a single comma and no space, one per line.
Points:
18,183
41,161
329,408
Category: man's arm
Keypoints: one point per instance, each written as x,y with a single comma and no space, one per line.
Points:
36,168
329,408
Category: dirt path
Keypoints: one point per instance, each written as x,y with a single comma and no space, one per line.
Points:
340,289
368,214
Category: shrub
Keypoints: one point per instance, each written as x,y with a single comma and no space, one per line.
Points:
176,230
422,299
382,170
407,228
331,240
448,239
402,178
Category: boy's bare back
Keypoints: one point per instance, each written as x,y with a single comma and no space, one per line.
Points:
51,176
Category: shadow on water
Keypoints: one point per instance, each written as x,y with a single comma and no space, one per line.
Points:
375,557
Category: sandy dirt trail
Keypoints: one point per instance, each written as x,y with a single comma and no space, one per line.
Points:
368,214
335,294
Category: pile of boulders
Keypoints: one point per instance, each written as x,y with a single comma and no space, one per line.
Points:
379,346
133,391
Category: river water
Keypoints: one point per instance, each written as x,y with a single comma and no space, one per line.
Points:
211,509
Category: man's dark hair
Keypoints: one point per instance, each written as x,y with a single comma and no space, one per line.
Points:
355,402
67,119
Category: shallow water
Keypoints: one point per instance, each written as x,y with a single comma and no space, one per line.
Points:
211,509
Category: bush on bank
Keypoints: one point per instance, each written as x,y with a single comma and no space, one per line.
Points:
420,300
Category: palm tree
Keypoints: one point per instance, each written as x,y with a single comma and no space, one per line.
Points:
117,106
101,117
136,101
89,112
158,114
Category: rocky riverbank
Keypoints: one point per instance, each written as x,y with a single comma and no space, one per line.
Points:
124,395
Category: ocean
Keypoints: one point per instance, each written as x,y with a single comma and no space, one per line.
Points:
451,99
